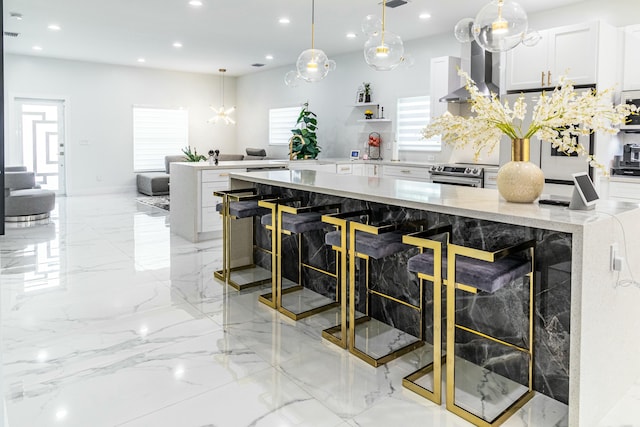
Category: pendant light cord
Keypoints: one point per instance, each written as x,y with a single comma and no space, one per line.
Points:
384,6
222,70
313,21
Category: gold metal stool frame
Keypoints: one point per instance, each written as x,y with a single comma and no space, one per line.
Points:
355,227
224,274
420,240
269,298
338,334
282,209
453,252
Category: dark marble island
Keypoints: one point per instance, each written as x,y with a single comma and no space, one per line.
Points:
584,340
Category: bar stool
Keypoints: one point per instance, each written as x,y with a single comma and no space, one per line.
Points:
269,222
338,241
238,205
368,242
428,266
297,220
474,270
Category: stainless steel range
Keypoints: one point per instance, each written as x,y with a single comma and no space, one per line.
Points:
467,175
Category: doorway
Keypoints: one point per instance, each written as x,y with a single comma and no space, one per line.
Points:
40,131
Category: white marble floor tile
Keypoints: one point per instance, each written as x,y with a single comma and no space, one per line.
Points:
108,318
267,399
152,380
106,342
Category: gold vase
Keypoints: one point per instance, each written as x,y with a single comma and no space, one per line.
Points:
520,181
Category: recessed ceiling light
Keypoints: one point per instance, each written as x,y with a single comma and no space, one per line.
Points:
425,15
16,16
196,3
177,44
37,47
269,57
54,27
284,20
351,35
141,60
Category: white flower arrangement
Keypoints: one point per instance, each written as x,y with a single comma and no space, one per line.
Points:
557,117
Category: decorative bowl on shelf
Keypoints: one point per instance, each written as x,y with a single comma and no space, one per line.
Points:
368,114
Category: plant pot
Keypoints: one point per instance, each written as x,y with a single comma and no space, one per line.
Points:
520,181
367,98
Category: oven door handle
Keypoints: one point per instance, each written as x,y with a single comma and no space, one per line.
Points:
469,182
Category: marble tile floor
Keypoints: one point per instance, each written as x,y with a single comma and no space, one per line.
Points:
107,319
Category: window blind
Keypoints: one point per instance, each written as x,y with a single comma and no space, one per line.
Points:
412,116
281,121
158,132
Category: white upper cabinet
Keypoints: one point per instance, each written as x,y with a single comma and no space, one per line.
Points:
570,51
444,80
631,76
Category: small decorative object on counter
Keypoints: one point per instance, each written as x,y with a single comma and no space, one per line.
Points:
373,146
557,117
213,157
367,92
368,114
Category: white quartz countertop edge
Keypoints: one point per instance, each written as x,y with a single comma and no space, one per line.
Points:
464,201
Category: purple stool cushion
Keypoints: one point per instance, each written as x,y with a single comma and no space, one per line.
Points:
483,275
374,245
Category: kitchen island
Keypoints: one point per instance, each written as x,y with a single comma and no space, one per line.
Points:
586,342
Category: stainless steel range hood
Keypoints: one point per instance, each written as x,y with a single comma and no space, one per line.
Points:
481,72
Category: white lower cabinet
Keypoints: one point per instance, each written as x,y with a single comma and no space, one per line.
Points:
625,191
372,170
407,172
211,181
344,169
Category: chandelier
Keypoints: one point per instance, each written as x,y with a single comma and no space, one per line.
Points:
222,113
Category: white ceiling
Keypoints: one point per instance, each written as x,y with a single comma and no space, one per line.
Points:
230,34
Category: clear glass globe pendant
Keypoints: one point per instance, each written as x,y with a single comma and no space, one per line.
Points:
500,26
313,64
383,50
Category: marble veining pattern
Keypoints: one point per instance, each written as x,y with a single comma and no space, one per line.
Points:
108,319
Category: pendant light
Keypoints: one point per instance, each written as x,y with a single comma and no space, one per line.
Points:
222,113
313,64
500,25
383,50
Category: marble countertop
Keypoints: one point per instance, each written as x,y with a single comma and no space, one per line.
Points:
479,203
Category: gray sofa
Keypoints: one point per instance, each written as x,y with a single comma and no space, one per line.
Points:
23,199
157,183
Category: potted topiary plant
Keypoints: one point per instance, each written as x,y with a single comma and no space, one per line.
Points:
304,142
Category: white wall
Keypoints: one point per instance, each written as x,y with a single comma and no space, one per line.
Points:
332,99
100,99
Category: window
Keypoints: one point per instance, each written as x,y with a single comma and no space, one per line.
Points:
413,116
158,132
281,121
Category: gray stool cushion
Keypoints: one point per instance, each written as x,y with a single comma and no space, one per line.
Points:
298,223
244,209
29,202
374,245
483,275
153,183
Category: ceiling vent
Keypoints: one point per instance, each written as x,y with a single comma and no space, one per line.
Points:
395,3
257,65
11,34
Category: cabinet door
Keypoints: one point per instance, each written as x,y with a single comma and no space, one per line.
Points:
373,170
573,51
627,191
342,169
631,78
357,169
527,66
